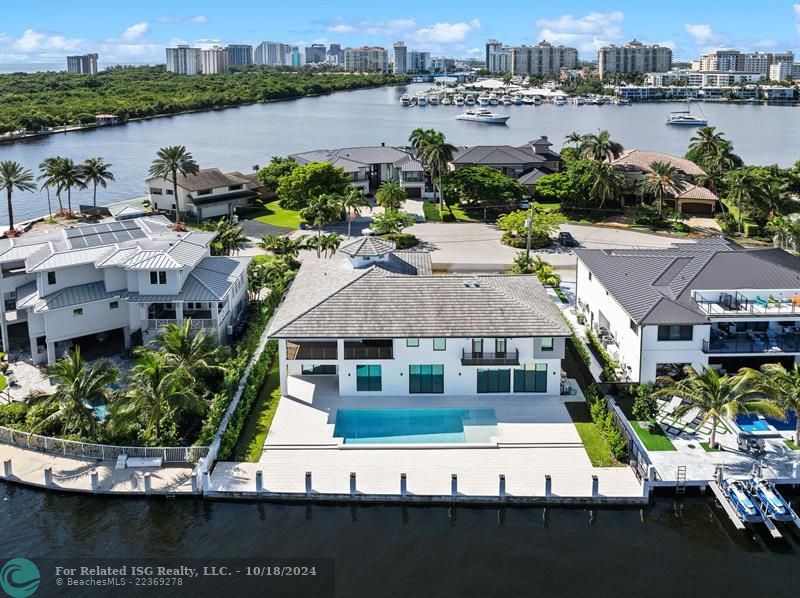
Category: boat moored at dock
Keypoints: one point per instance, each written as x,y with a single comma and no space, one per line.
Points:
738,494
483,116
770,500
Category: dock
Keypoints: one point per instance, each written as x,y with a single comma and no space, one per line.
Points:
726,505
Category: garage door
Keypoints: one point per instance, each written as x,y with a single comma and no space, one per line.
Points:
413,192
696,208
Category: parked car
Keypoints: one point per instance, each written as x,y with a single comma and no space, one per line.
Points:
524,205
567,240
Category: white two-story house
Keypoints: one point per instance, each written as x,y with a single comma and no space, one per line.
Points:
377,322
208,194
710,303
369,166
101,286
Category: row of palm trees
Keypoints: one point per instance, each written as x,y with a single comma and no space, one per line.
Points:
432,149
169,382
61,174
771,390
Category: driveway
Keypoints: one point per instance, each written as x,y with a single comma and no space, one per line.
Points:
255,229
476,246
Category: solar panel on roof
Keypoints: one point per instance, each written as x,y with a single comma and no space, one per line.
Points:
137,233
72,232
107,238
78,243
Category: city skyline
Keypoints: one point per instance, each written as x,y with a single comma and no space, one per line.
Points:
32,33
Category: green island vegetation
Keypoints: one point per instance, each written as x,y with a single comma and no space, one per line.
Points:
47,99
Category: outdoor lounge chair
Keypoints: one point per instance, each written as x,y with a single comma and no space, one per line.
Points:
796,300
761,302
674,403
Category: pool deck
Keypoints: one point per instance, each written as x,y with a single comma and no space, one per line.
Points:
535,437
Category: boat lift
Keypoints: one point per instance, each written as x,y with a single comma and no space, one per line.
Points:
716,488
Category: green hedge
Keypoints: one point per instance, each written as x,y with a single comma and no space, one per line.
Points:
577,345
537,242
609,364
604,420
402,240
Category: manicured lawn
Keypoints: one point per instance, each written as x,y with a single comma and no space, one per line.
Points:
654,438
708,449
791,445
459,214
251,443
431,211
275,215
590,435
3,382
547,207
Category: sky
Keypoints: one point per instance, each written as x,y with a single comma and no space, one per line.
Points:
41,33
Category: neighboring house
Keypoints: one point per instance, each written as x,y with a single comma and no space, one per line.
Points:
694,199
377,326
526,163
369,166
97,286
709,303
208,194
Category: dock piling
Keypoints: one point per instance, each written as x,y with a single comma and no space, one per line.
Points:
308,483
454,485
352,483
595,487
48,476
403,485
193,478
95,481
548,486
7,468
147,483
502,490
259,481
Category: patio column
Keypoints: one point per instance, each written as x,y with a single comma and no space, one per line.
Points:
4,329
51,351
179,312
282,365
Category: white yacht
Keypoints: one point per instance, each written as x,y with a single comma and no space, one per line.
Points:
517,100
469,100
506,100
459,100
492,99
578,101
446,101
483,100
483,116
528,101
422,99
433,100
405,100
559,101
686,119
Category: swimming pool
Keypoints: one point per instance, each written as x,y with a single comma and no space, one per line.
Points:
758,423
415,426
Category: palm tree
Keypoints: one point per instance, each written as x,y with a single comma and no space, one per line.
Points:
229,239
47,170
78,388
439,154
777,383
507,77
390,196
600,146
281,245
69,175
544,272
319,211
171,161
706,141
99,173
714,395
155,389
575,138
781,230
609,183
743,189
14,176
193,352
776,200
330,242
663,179
352,202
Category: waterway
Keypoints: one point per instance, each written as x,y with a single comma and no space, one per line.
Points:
239,138
677,547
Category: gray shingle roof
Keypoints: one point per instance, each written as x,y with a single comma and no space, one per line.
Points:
655,286
374,305
354,158
206,178
367,246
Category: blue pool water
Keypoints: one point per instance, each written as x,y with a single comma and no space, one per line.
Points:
755,423
414,426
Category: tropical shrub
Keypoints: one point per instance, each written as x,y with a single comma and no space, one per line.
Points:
401,240
645,405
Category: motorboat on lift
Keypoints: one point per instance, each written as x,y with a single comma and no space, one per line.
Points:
469,100
770,500
740,498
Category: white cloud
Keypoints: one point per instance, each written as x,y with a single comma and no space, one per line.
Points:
341,28
388,28
703,34
446,33
796,10
135,32
197,20
586,33
35,41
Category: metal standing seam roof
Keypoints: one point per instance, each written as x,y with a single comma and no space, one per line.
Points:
62,259
354,158
77,295
374,305
219,273
152,260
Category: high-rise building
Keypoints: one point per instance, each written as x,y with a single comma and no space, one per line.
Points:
184,60
782,71
419,62
633,57
85,64
400,58
440,64
240,55
750,62
273,54
335,54
542,59
492,46
315,53
214,61
296,57
366,60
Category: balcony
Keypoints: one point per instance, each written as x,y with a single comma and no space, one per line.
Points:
735,304
780,344
159,323
315,351
369,349
484,358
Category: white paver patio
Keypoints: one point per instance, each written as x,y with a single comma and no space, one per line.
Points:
535,437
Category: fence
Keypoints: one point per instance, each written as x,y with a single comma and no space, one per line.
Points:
172,454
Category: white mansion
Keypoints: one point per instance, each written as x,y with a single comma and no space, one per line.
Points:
96,286
377,322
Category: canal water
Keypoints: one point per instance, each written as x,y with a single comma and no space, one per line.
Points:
677,547
239,138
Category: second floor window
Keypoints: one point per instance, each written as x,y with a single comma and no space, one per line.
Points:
500,346
439,344
674,333
412,342
158,277
51,278
547,343
205,191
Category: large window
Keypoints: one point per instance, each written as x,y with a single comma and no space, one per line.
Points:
319,370
368,377
674,333
531,378
439,344
494,381
500,346
426,379
547,343
158,278
477,346
412,342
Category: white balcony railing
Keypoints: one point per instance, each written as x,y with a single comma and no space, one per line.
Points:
158,324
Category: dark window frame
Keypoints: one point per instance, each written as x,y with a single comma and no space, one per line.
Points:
371,382
675,332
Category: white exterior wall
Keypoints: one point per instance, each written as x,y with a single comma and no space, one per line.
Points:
655,351
459,380
68,277
594,294
62,324
172,287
